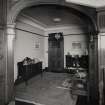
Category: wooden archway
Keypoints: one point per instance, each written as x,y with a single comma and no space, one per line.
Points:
11,17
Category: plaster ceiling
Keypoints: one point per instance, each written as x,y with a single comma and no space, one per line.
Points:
91,3
45,15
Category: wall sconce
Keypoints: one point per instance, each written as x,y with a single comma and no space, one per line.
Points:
91,38
1,53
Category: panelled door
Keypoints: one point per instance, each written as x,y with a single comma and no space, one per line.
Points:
55,52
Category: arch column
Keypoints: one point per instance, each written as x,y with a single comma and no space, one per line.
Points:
101,53
93,69
100,67
10,62
7,34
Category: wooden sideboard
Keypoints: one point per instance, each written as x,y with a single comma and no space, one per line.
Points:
25,72
72,61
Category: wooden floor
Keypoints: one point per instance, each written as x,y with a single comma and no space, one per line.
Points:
45,90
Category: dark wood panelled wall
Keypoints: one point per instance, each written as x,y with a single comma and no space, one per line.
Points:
2,67
2,51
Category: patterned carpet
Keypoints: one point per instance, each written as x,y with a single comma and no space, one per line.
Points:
46,91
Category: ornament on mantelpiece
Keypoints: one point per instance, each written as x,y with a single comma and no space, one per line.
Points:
68,53
86,51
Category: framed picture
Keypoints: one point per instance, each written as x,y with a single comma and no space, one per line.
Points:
76,45
37,44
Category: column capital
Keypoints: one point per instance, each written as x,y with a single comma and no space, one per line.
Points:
11,29
11,25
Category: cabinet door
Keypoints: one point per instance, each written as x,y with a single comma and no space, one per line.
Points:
69,61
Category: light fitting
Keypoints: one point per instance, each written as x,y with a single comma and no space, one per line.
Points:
57,19
57,36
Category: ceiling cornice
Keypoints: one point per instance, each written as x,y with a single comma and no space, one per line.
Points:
90,3
23,18
34,20
78,3
30,22
65,27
